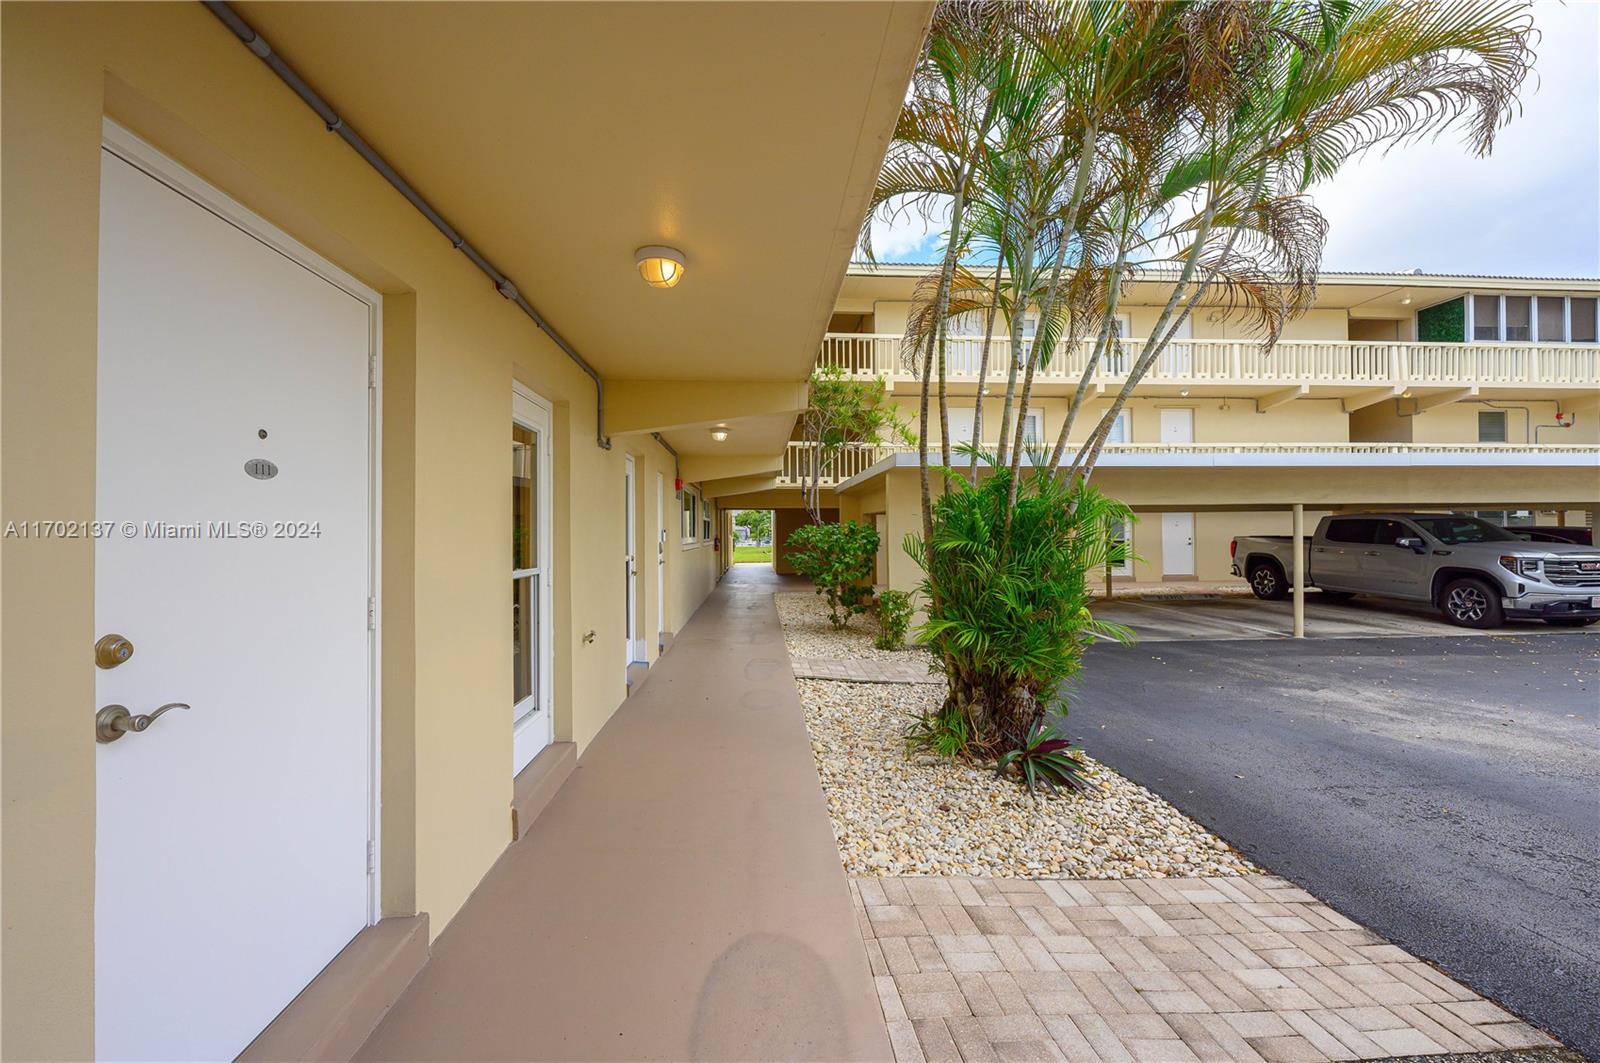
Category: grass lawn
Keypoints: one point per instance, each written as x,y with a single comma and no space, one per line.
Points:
743,554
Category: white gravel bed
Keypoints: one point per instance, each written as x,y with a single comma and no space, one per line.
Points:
895,815
807,632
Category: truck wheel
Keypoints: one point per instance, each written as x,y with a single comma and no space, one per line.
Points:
1571,621
1267,582
1471,602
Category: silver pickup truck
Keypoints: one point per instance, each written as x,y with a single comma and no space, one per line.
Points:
1476,573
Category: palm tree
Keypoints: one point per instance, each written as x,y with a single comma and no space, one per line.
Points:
1084,143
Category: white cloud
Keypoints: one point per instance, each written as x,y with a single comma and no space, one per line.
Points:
1531,208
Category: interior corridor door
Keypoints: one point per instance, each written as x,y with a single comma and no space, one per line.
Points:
661,557
630,560
234,437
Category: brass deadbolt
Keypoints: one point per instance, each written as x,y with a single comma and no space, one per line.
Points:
112,650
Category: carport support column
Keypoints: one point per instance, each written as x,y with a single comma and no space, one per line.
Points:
1299,555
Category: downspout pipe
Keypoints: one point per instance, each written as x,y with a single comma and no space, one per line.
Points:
262,50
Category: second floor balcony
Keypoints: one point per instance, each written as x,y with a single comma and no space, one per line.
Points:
804,464
1331,366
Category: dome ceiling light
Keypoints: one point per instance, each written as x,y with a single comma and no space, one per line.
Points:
661,267
720,434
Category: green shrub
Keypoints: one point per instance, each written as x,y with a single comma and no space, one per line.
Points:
1008,603
943,732
894,617
838,558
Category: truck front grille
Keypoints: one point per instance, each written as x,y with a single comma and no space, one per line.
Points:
1573,571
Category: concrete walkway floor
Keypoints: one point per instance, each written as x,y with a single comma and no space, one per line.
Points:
680,898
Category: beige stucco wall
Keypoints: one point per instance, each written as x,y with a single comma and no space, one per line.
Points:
175,76
1393,421
784,523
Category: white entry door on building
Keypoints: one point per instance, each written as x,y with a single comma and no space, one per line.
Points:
234,436
630,560
1177,424
1177,544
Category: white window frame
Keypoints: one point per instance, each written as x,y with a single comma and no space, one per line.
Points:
1125,535
1470,327
694,501
533,718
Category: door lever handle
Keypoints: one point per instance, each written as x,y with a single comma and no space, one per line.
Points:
114,721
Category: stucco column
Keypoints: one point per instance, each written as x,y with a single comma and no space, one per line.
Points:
1299,571
903,510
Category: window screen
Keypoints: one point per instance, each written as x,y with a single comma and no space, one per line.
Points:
1552,319
1583,320
1518,312
1491,426
1486,317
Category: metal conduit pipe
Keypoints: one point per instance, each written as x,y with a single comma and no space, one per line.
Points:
262,50
677,469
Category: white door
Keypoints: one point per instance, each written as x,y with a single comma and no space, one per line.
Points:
1177,544
1177,425
630,561
233,439
661,557
532,637
961,424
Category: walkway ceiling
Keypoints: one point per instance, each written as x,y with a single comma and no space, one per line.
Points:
560,137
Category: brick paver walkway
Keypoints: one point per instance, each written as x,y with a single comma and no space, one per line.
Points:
860,670
1153,970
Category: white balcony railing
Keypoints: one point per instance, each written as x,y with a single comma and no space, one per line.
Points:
800,458
1241,362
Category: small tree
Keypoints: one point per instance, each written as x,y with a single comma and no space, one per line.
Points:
838,558
843,412
758,522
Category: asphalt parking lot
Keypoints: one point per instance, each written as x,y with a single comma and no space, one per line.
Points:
1208,617
1443,791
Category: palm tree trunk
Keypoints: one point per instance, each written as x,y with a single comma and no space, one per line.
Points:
988,337
1069,229
1101,343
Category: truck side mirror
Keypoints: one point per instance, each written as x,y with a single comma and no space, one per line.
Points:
1411,542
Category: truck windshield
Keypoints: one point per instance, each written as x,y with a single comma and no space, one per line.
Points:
1452,531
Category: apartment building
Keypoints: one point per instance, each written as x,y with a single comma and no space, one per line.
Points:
1396,390
354,428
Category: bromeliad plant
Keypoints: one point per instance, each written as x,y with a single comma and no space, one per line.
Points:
837,558
1044,760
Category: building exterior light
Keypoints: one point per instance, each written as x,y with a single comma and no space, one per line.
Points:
1183,393
1406,301
661,267
720,434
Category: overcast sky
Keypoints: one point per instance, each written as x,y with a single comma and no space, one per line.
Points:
1531,209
